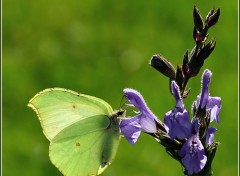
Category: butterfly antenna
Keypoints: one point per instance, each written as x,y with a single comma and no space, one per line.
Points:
122,103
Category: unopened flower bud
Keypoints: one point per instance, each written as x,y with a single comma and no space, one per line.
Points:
163,66
199,37
179,77
198,22
212,17
185,68
206,50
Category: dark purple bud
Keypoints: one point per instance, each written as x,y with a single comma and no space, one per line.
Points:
185,58
163,66
179,77
197,18
185,68
196,35
212,17
193,53
194,65
194,70
206,50
199,37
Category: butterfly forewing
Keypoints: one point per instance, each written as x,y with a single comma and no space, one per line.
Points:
58,108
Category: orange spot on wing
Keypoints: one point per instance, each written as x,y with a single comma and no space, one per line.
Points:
77,144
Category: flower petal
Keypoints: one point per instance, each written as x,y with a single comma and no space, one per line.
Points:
204,100
193,154
130,128
178,124
176,94
214,105
148,123
135,98
177,120
210,135
206,78
147,119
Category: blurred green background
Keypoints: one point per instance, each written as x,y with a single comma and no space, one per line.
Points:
99,48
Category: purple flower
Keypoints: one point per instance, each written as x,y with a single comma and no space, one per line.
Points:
210,135
131,129
177,120
145,120
193,154
204,100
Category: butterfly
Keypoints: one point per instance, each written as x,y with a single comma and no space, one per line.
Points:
83,130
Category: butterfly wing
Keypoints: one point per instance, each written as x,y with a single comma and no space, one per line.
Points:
59,108
82,130
85,148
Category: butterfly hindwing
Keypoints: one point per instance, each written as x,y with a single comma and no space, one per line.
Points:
76,150
111,143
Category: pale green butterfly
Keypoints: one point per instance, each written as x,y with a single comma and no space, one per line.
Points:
83,130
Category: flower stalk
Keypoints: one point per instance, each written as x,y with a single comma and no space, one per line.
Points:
189,139
192,62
